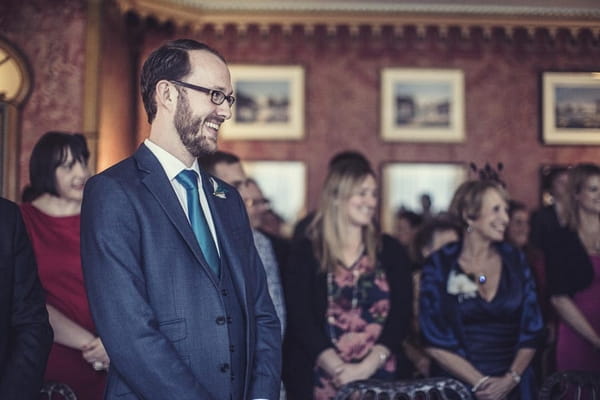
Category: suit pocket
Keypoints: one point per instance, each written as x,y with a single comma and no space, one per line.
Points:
175,329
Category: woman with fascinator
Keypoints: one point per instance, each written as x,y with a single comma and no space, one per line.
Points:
479,317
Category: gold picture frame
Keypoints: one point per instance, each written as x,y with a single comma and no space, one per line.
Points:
269,103
422,105
571,108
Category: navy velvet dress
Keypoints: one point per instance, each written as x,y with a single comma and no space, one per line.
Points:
487,334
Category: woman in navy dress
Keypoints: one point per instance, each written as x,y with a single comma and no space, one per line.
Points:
479,317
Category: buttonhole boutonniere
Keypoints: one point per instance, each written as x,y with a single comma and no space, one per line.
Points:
218,190
459,284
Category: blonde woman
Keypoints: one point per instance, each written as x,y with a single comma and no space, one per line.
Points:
348,291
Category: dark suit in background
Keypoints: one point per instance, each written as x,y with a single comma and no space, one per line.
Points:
25,333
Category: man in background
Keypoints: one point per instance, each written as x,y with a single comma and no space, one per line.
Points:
228,167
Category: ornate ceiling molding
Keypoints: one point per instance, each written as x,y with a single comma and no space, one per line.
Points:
374,17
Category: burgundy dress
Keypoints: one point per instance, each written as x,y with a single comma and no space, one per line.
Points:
56,246
572,350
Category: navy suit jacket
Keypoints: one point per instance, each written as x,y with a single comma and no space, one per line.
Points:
25,333
153,298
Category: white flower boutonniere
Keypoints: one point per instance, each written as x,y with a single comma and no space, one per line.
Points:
218,191
460,285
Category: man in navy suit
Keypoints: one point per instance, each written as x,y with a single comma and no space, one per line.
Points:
25,333
175,323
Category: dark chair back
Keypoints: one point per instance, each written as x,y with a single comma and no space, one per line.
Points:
425,389
56,391
571,385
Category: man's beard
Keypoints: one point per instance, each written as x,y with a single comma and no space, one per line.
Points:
187,127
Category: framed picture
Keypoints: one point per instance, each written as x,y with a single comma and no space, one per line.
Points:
403,185
571,107
422,105
269,103
283,184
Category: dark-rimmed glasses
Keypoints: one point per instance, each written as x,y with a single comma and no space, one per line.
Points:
216,96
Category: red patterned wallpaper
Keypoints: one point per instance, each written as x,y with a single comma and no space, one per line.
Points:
51,36
343,110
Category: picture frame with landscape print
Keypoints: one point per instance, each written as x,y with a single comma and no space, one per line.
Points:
571,107
422,105
269,103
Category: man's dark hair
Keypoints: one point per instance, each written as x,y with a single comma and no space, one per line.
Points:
424,236
347,156
207,162
47,155
169,62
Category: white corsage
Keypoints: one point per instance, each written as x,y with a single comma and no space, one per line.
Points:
218,191
459,284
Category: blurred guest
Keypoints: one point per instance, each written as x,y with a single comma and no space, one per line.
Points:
25,334
406,225
339,159
57,173
517,233
273,223
228,167
573,262
426,204
479,315
434,234
348,290
550,219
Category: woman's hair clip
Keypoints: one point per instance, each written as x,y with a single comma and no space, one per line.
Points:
488,173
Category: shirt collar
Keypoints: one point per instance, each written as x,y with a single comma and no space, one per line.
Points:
171,164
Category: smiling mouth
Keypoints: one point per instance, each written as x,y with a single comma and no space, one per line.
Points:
213,125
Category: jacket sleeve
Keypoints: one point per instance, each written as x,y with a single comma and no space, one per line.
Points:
30,335
306,308
115,280
396,263
266,373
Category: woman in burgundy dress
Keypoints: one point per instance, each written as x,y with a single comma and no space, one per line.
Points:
58,171
574,273
348,291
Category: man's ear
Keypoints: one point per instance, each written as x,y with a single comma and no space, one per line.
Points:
165,95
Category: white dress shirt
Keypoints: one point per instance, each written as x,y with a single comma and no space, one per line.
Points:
173,166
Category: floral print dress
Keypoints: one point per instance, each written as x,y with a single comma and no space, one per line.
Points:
358,306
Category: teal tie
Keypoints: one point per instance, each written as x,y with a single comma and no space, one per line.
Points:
189,180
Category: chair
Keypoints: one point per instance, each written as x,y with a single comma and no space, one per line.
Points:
571,385
56,391
426,389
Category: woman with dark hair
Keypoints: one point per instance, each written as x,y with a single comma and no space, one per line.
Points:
573,263
348,290
479,316
58,172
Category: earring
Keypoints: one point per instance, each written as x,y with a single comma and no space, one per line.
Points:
469,229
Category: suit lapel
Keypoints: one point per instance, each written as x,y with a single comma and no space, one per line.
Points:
221,211
155,179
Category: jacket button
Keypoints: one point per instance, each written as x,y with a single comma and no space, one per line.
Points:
224,367
224,292
232,348
221,320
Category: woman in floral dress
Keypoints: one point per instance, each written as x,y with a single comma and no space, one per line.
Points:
348,291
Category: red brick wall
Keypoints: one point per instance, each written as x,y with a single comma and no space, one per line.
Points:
52,39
